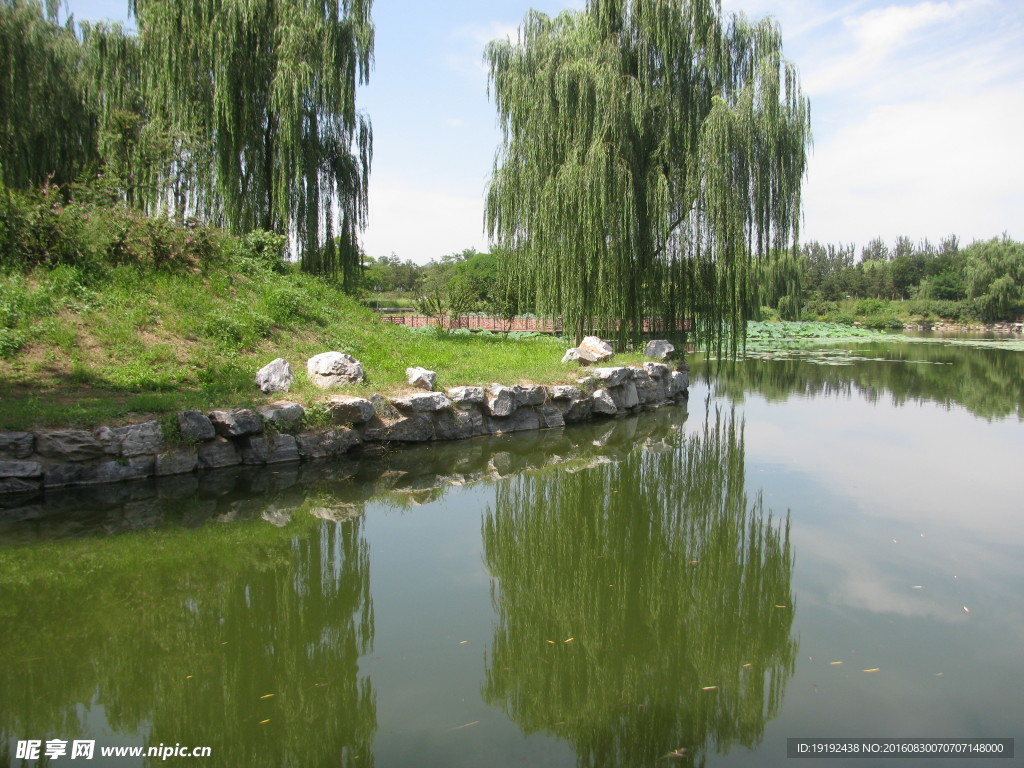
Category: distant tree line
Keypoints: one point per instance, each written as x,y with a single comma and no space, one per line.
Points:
984,280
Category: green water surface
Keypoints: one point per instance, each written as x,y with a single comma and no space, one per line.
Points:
691,586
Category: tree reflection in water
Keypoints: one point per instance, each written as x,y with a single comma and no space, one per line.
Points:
644,605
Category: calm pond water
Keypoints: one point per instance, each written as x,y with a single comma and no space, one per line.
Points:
823,543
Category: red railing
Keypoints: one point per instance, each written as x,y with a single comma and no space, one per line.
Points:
503,325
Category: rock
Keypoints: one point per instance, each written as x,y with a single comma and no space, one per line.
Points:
283,415
383,408
21,469
178,461
613,377
18,485
348,409
530,395
520,421
236,422
423,402
421,377
136,468
283,448
659,349
275,376
657,370
458,424
108,441
467,395
571,356
603,402
501,400
254,450
68,445
219,452
551,416
332,369
140,439
649,389
195,426
59,475
16,445
677,383
417,428
333,442
630,397
594,350
564,392
579,410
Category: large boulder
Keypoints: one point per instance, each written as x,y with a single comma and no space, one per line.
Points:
613,377
236,422
594,350
332,369
275,376
659,349
603,403
68,445
195,426
421,378
423,402
501,400
346,409
467,395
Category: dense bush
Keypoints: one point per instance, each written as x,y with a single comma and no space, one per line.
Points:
82,226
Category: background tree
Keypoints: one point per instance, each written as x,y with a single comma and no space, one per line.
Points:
651,150
270,88
46,130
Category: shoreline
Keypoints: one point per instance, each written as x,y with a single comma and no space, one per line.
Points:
33,462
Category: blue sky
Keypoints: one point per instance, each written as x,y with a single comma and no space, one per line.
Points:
917,112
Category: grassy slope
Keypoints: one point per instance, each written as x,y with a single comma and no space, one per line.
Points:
79,351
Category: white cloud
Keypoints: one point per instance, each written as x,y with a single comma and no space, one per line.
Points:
422,224
923,169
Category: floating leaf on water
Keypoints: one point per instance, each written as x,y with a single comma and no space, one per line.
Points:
966,609
267,696
569,640
551,642
188,677
917,586
681,752
264,722
464,725
710,688
939,674
781,606
747,666
873,669
835,663
463,642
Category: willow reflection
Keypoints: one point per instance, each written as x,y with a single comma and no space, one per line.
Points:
643,605
243,638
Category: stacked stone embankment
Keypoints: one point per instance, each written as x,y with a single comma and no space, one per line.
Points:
31,462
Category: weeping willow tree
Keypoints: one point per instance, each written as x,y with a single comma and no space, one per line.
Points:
46,129
267,87
652,150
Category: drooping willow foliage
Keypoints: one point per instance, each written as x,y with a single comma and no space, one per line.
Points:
237,112
268,87
46,131
652,151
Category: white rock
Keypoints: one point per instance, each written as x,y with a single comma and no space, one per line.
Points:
275,376
594,350
420,377
659,349
330,369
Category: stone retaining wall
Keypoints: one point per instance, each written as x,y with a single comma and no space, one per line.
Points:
31,462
